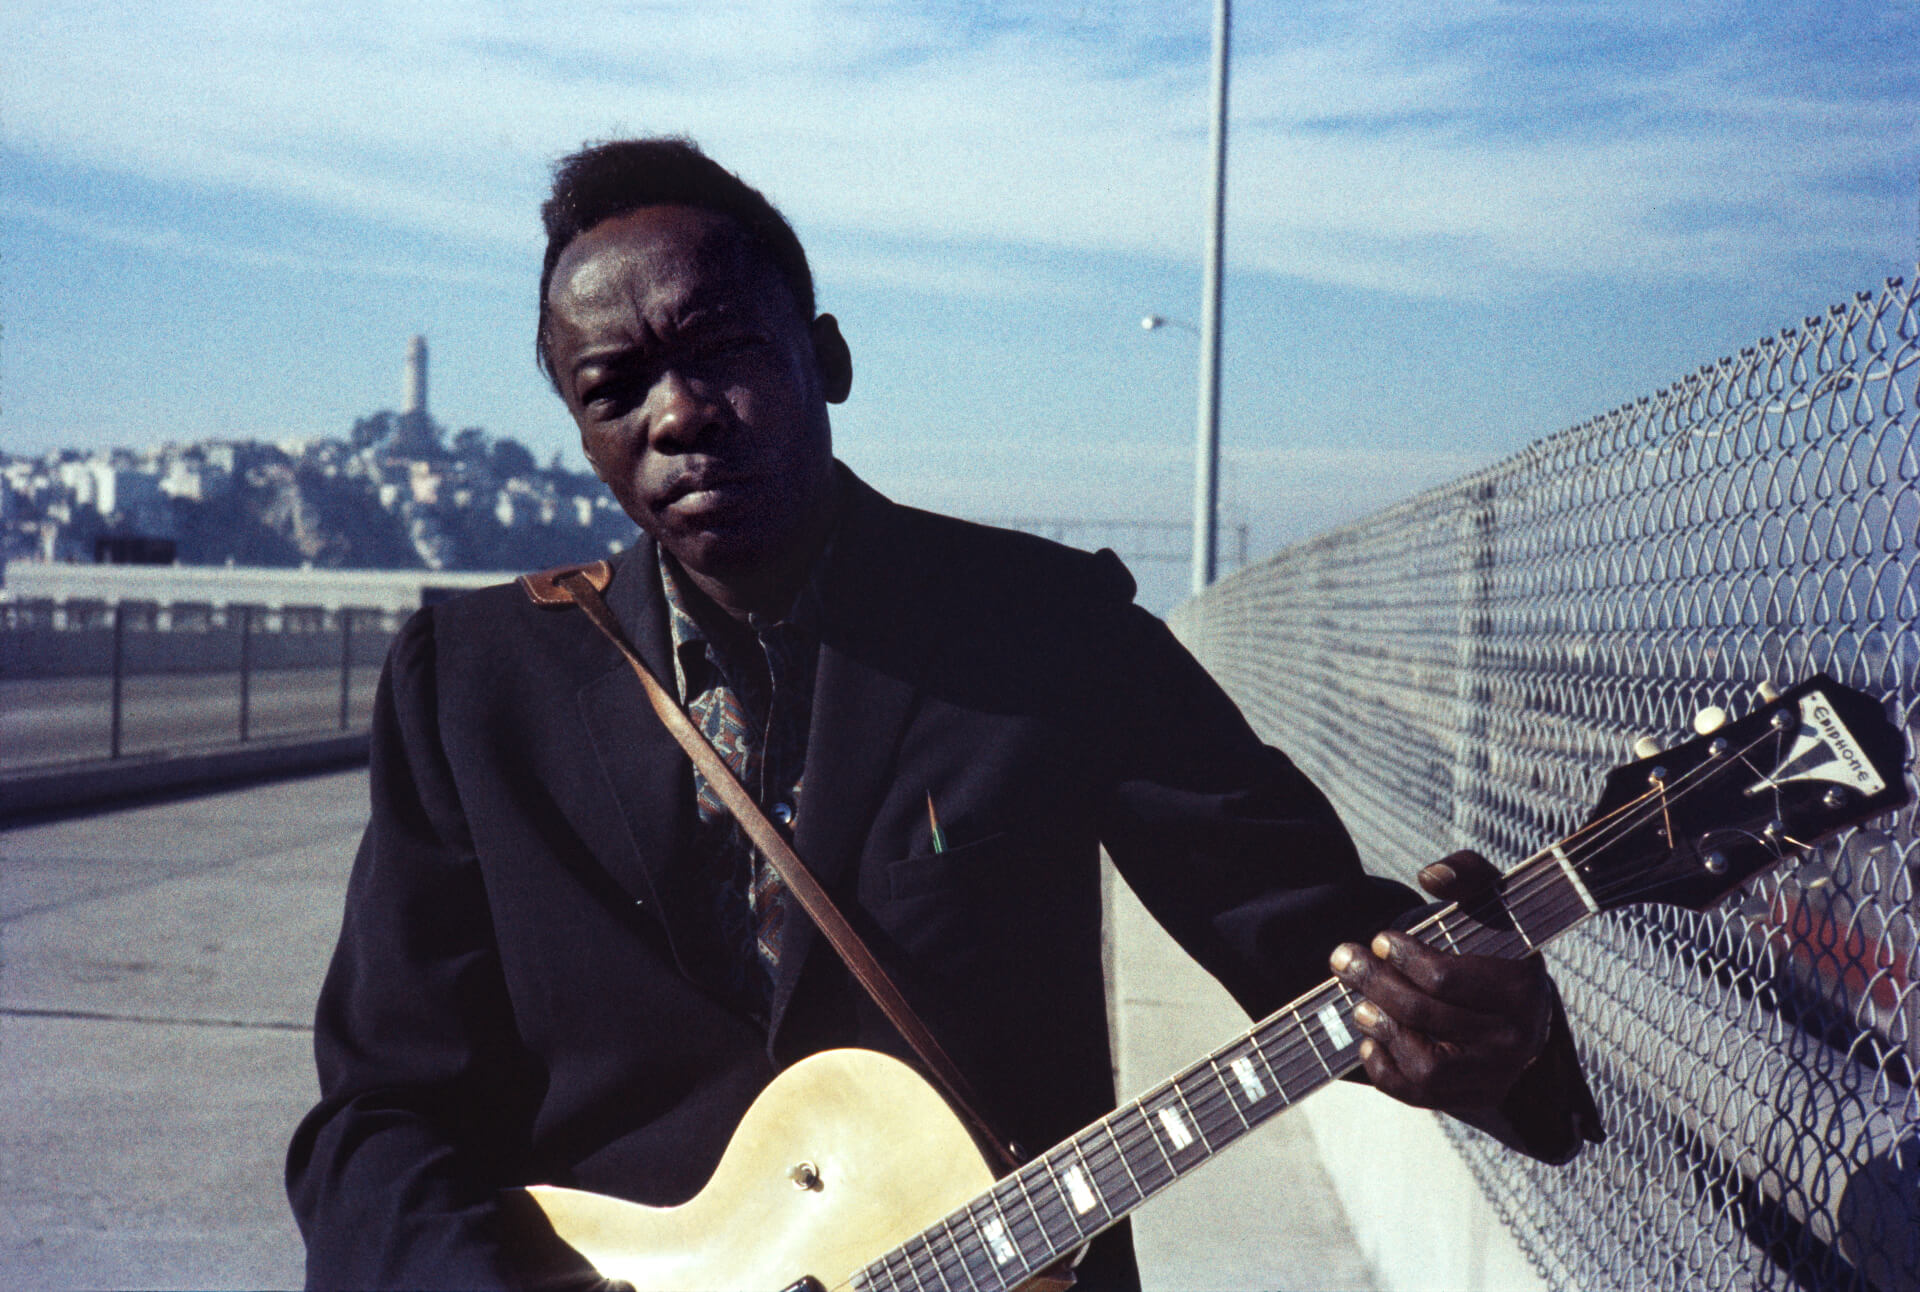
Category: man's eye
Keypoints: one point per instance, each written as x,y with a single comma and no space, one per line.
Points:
612,393
730,345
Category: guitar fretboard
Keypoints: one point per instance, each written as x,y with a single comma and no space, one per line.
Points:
1036,1216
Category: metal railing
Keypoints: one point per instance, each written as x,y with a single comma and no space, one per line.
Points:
1460,670
88,679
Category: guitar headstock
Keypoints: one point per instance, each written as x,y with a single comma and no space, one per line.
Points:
1688,824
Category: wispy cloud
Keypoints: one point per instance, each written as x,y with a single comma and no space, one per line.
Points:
1384,145
175,241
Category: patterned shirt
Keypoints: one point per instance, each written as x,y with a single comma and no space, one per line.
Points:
749,688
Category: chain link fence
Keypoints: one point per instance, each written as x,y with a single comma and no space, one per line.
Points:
1461,670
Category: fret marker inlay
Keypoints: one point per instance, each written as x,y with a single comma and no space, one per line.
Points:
1176,1129
1249,1079
1080,1191
1573,877
1003,1248
1330,1019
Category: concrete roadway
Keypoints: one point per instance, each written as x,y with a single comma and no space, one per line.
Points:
157,972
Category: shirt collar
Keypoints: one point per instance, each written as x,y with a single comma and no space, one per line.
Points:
695,654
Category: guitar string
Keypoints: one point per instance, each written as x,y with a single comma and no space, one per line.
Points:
882,1275
1690,781
1588,836
933,1263
1628,890
890,1268
1300,1061
1301,1067
1127,1141
1072,1147
1130,1139
1205,1110
1474,934
953,1250
1215,1132
1206,1106
1296,1062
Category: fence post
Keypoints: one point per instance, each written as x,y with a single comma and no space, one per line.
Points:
346,662
119,640
246,669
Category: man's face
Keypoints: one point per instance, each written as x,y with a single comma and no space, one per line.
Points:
697,385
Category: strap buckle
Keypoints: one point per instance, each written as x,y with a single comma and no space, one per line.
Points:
544,587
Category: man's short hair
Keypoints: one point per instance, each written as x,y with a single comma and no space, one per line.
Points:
610,179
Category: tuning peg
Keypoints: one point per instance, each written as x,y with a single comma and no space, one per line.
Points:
1646,747
1769,692
1710,720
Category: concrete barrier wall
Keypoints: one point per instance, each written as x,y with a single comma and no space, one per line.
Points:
231,585
64,790
1417,1213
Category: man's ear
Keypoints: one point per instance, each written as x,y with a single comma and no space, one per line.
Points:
832,358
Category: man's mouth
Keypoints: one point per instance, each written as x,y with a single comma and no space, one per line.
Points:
704,490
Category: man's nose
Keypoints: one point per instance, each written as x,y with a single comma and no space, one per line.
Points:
683,414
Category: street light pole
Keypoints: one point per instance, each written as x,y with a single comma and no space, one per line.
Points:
1206,472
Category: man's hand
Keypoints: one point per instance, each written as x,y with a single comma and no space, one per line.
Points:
1452,1032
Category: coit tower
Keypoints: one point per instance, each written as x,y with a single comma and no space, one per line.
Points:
415,399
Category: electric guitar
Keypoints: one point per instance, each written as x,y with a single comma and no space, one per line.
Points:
850,1171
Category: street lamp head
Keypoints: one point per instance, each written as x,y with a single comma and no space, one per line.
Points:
1154,322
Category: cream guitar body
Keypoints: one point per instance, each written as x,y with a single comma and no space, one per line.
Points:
845,1155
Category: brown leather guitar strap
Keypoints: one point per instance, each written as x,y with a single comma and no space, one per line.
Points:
582,585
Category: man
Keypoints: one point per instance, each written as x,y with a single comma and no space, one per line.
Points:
560,962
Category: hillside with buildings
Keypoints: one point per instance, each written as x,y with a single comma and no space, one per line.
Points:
396,492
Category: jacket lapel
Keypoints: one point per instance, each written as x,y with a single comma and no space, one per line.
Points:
872,659
865,690
644,770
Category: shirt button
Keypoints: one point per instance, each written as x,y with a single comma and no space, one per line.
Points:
783,813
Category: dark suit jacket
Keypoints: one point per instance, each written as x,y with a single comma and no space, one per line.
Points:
520,991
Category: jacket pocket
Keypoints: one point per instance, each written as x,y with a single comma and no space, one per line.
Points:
983,860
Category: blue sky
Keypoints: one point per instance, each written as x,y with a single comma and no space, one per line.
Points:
1453,228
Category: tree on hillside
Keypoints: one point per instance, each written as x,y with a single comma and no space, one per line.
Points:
470,446
372,429
510,458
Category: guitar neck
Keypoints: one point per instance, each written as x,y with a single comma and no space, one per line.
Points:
1034,1217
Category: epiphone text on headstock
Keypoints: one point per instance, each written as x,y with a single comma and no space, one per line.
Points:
1821,731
